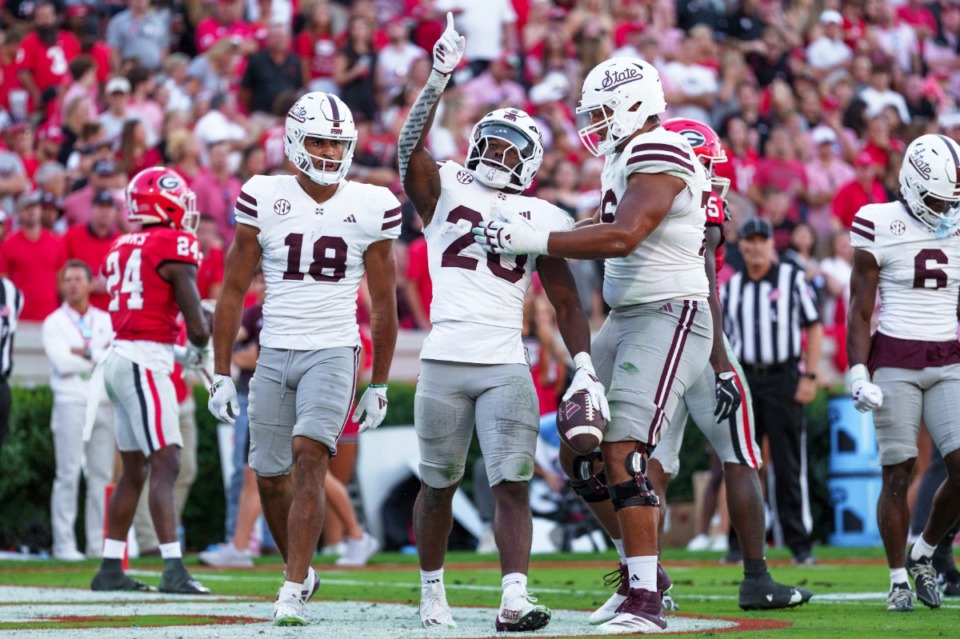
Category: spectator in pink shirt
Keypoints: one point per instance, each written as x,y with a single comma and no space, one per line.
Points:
217,190
497,86
826,173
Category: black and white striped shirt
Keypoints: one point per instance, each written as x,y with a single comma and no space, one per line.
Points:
11,303
763,318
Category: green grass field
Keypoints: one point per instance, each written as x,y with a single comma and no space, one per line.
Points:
848,586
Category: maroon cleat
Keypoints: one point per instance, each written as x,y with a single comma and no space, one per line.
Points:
641,612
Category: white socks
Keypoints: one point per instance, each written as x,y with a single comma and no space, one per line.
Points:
291,589
113,549
514,585
643,572
171,550
618,544
431,577
921,549
898,576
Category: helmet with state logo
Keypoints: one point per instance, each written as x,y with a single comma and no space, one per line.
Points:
325,116
930,182
521,134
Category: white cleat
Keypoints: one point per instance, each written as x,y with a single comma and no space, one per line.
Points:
699,543
310,585
358,551
521,614
434,609
608,610
289,611
226,556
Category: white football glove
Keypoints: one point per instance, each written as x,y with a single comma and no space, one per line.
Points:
223,395
372,407
190,356
586,379
867,396
510,235
448,50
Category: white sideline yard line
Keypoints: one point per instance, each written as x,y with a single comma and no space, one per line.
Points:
834,598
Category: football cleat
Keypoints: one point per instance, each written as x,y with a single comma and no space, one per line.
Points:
310,585
925,580
226,556
112,581
641,612
177,580
520,614
434,609
620,579
289,610
763,593
900,598
358,551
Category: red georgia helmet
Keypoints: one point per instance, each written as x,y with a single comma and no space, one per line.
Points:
706,146
160,196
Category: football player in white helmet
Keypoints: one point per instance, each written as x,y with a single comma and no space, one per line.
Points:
909,370
657,340
473,368
317,235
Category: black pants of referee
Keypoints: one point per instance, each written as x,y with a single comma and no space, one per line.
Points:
782,421
4,410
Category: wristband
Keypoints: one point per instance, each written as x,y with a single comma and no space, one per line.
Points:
437,80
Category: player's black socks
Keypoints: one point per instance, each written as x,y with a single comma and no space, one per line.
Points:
754,568
111,565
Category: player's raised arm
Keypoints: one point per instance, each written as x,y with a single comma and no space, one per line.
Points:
419,174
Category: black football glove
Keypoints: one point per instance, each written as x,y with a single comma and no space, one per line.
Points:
728,396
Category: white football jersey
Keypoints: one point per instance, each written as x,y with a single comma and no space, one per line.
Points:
477,307
919,273
313,256
668,264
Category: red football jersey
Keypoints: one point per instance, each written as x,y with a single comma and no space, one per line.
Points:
49,65
142,304
716,212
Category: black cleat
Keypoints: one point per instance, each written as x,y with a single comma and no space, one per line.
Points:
115,581
764,593
924,580
178,581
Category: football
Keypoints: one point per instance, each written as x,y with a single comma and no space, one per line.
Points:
579,425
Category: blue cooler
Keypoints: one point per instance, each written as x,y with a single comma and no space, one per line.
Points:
854,499
853,440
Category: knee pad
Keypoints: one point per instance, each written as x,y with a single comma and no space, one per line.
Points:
589,485
637,491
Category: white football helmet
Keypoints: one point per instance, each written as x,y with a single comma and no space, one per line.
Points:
931,170
320,115
521,132
615,87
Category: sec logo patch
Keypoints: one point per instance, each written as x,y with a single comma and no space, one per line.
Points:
898,228
464,177
281,207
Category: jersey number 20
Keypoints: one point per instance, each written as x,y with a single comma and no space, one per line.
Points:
452,257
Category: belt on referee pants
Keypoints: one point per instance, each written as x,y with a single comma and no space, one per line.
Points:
769,369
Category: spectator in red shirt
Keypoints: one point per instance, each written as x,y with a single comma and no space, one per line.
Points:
317,50
919,17
226,22
45,52
742,157
19,139
862,190
418,286
217,191
781,170
31,258
10,40
210,271
91,243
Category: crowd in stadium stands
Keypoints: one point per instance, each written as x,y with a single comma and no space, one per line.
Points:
815,101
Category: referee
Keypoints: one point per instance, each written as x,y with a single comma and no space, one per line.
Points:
11,303
766,306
